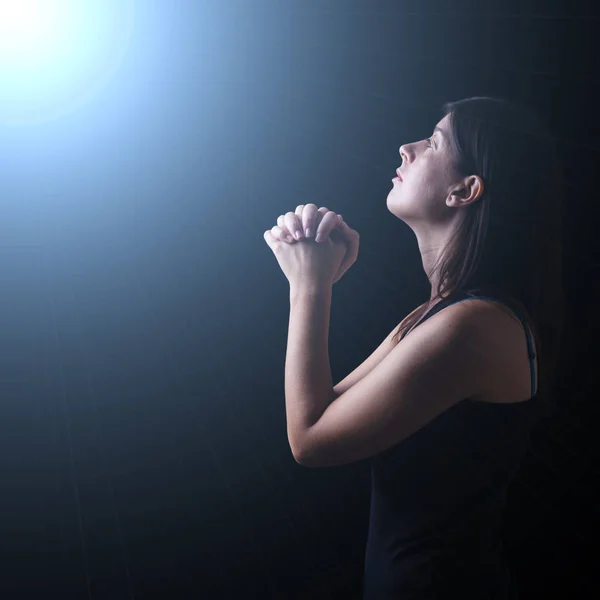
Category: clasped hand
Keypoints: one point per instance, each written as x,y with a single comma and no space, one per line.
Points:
325,247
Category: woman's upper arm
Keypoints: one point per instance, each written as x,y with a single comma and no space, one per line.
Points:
366,366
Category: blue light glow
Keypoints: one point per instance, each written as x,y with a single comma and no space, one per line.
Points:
55,54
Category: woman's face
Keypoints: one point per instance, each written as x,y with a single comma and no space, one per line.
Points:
428,178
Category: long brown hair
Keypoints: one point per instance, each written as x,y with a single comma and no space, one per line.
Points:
509,245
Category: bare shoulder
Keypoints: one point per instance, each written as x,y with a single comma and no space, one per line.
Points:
483,316
493,315
503,349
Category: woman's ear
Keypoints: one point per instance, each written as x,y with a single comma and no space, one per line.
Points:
467,193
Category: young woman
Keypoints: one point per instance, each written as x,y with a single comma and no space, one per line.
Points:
443,408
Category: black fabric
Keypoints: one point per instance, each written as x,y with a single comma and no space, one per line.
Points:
437,500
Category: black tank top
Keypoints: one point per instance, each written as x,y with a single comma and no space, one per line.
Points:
437,500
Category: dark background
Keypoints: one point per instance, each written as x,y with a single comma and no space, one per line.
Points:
143,446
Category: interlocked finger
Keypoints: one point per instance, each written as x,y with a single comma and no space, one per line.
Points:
328,223
311,217
306,222
282,234
285,233
293,224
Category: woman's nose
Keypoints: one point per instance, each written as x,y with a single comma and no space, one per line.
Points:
407,150
403,153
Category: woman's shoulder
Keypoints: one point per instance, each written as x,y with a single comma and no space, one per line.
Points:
504,346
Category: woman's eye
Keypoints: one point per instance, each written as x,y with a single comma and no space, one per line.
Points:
429,142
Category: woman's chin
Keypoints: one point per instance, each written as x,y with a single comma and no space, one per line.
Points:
393,200
396,206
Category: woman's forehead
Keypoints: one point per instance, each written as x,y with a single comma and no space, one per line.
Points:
445,122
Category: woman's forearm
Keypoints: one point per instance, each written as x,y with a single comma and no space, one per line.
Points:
308,383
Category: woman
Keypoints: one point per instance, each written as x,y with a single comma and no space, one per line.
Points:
443,408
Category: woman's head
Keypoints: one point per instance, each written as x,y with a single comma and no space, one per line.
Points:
433,188
486,204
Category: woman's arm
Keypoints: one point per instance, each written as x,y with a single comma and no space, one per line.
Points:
308,383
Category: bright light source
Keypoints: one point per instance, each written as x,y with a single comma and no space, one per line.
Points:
30,30
54,54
